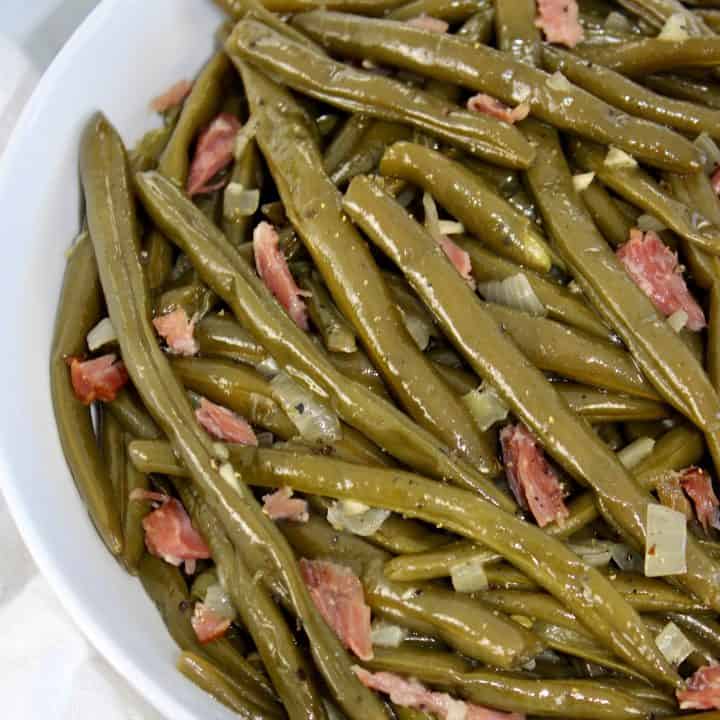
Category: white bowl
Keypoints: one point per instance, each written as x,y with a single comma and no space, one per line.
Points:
124,54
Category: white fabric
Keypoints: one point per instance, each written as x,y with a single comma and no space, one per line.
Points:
47,668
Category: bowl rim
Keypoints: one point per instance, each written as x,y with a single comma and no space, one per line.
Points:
72,601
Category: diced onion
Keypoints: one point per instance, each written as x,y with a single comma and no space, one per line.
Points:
673,644
485,406
353,507
557,81
220,451
314,420
469,576
583,181
102,334
365,523
618,23
451,227
217,600
417,327
708,147
227,473
267,367
594,553
432,221
617,158
574,288
515,292
666,539
678,320
521,91
675,28
634,453
239,202
626,558
244,136
385,634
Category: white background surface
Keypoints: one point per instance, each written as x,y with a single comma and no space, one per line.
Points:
47,668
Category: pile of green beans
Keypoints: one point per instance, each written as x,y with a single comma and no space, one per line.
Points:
404,217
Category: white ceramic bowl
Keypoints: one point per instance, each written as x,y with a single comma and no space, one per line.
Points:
124,54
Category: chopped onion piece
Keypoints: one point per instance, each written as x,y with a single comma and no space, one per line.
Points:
678,320
675,28
594,553
451,227
417,327
239,202
646,223
618,23
102,334
485,406
385,634
574,288
220,451
666,538
583,181
634,453
244,136
626,558
217,600
515,292
673,644
314,420
708,147
432,221
469,576
227,473
557,81
268,368
365,523
353,507
617,158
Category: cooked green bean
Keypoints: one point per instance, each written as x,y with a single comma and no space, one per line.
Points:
609,218
104,174
78,312
158,260
113,453
129,412
247,172
359,91
345,141
601,407
194,298
401,535
478,27
221,336
469,198
705,627
683,88
133,533
453,60
364,7
516,31
358,367
450,10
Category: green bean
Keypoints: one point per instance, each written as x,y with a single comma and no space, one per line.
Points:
651,594
493,356
113,453
478,27
610,220
364,7
435,563
705,627
351,275
247,172
359,91
450,10
112,224
223,688
453,60
702,93
560,303
132,416
158,260
401,535
513,692
638,58
468,198
345,141
337,334
133,533
516,31
194,298
221,336
78,312
598,406
357,367
554,347
459,380
656,12
638,187
145,154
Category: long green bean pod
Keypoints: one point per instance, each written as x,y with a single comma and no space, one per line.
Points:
684,88
614,225
450,10
112,224
345,141
451,59
221,336
247,172
132,416
112,441
238,8
573,445
157,261
516,31
360,91
598,406
133,533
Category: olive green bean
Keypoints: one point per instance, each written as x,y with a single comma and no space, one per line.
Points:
132,416
113,453
478,27
364,7
683,88
650,595
450,10
146,152
401,535
453,60
221,336
194,298
516,31
133,533
345,141
614,225
704,627
598,406
247,172
357,367
157,260
359,91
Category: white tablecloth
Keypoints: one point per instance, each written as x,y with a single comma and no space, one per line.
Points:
47,668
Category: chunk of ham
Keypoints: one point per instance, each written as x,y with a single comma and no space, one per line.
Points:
698,485
169,534
281,505
654,269
172,97
488,105
559,20
425,22
97,379
532,479
275,273
702,690
459,258
338,596
207,624
715,181
213,152
178,332
224,424
412,694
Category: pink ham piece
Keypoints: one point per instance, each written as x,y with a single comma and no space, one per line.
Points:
224,424
98,379
715,181
698,486
338,596
412,694
207,624
558,19
177,331
281,505
702,690
488,105
169,534
532,480
425,22
654,269
172,97
459,258
213,152
275,273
